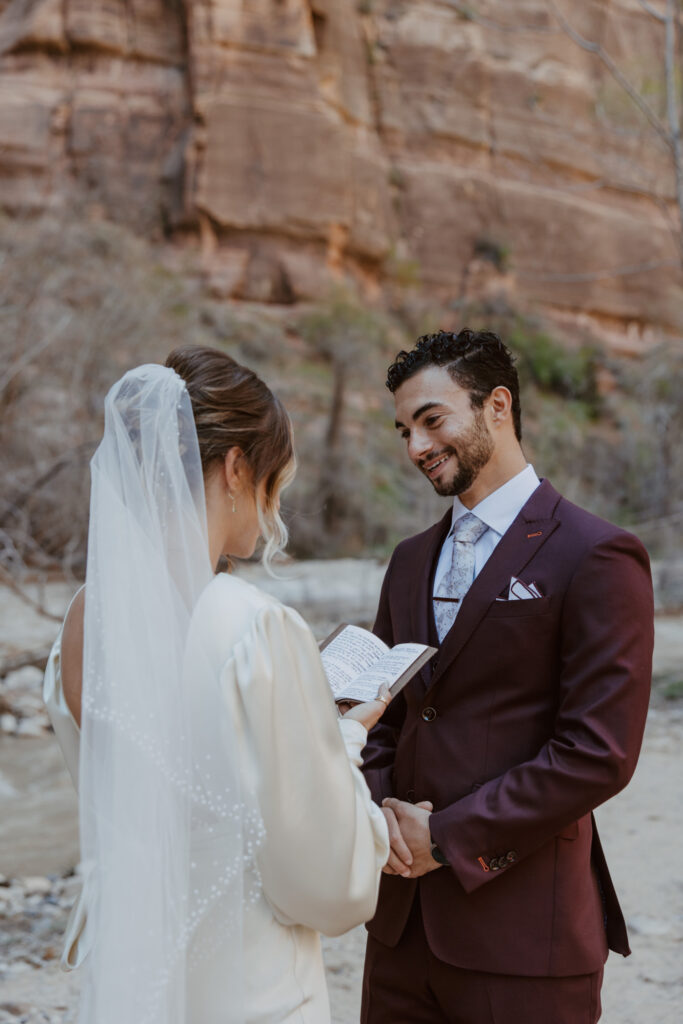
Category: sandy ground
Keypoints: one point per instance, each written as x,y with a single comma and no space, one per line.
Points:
642,830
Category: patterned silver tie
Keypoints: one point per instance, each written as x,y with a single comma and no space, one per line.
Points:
457,581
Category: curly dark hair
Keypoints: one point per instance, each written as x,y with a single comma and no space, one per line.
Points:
478,361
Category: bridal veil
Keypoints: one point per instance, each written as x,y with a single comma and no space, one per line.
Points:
158,769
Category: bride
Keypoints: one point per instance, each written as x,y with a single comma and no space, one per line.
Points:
224,822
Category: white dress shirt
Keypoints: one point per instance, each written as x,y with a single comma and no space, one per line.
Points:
498,510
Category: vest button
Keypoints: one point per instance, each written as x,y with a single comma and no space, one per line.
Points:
428,714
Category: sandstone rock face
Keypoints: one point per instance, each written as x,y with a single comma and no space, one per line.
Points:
93,106
304,140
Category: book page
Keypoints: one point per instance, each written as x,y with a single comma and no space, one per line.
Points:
388,669
348,655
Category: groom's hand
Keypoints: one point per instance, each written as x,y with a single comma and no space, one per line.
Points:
400,857
413,822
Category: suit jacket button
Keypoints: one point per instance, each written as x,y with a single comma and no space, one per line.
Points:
511,856
428,714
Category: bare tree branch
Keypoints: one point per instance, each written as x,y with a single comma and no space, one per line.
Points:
673,227
669,130
17,661
12,507
620,186
653,11
39,347
9,581
616,72
672,112
674,517
470,13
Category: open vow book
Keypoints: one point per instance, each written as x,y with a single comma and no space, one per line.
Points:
357,663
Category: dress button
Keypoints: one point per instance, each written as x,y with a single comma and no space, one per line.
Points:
428,714
511,856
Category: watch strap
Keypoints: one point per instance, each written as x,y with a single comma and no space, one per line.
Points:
438,854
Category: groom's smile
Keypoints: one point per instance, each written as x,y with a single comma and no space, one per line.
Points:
432,467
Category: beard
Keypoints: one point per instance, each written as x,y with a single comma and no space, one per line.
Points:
474,449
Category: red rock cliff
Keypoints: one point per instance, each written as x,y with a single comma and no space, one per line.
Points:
473,144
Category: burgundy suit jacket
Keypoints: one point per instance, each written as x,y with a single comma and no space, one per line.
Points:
531,715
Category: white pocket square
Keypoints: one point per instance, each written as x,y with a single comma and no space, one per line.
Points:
521,591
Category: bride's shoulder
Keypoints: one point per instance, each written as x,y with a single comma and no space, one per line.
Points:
232,611
226,589
236,608
226,611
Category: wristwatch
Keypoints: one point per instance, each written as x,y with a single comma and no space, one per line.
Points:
438,855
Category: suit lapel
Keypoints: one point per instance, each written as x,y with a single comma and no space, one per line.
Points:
528,533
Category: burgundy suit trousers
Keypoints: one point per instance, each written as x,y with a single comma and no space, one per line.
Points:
407,984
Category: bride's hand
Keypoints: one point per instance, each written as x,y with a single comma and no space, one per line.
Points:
369,713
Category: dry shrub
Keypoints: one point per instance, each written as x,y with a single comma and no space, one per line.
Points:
79,303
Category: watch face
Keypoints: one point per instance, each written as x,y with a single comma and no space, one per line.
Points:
438,855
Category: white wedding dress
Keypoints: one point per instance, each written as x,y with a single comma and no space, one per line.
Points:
325,841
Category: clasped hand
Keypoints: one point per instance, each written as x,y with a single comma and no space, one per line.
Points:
411,842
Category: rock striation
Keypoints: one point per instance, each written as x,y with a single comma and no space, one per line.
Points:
467,149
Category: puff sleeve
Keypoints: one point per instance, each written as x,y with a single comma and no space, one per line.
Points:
326,841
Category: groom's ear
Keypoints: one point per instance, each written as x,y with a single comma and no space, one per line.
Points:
499,406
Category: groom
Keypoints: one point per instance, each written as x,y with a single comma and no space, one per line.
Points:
497,906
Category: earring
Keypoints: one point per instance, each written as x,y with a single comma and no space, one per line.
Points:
232,498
